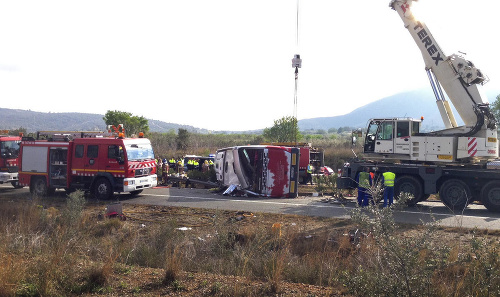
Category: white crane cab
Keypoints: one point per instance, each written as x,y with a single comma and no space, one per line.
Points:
400,139
391,137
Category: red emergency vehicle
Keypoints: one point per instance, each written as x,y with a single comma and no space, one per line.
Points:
308,155
98,162
9,152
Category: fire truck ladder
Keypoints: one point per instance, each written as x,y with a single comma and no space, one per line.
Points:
69,135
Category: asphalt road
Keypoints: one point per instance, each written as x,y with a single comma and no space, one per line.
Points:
475,216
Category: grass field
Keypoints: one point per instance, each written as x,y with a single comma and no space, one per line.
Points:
62,247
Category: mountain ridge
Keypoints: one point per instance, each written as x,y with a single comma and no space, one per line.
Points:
413,104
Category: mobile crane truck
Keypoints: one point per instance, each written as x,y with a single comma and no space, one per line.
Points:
460,162
97,162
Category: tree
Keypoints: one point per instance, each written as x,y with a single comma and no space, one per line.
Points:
285,129
18,131
132,124
182,139
495,108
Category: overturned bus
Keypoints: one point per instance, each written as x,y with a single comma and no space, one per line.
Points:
260,170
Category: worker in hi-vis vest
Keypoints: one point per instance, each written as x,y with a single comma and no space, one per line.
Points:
388,180
309,178
364,181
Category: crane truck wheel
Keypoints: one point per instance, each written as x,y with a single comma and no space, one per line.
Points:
410,185
38,187
455,194
102,189
490,196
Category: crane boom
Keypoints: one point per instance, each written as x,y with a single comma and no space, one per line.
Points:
460,79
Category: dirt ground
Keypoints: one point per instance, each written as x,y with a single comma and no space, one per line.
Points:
148,282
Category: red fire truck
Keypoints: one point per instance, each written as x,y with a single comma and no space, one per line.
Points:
98,162
9,152
308,155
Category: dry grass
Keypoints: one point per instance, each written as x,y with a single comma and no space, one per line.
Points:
65,250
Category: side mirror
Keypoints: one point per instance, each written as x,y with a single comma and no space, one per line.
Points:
119,154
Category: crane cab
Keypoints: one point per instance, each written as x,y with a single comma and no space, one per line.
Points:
390,136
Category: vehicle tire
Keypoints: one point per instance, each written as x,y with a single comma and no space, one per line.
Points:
38,187
16,185
102,189
455,194
135,193
490,196
411,185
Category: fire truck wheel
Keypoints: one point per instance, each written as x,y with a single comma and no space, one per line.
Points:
490,196
38,187
455,194
135,193
16,185
102,189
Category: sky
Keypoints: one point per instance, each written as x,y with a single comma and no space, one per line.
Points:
226,64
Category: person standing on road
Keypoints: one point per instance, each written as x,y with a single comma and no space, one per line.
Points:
164,173
309,173
388,180
364,181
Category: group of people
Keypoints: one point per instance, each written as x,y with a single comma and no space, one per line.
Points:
164,166
199,164
365,179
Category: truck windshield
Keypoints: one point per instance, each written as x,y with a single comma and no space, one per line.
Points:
139,151
9,149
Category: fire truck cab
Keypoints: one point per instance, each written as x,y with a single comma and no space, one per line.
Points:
89,161
9,152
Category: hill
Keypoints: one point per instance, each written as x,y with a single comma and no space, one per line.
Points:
413,104
71,121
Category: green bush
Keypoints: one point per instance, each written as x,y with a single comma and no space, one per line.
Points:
208,176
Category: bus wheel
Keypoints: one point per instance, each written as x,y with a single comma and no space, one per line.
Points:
455,194
410,185
490,196
38,187
102,189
